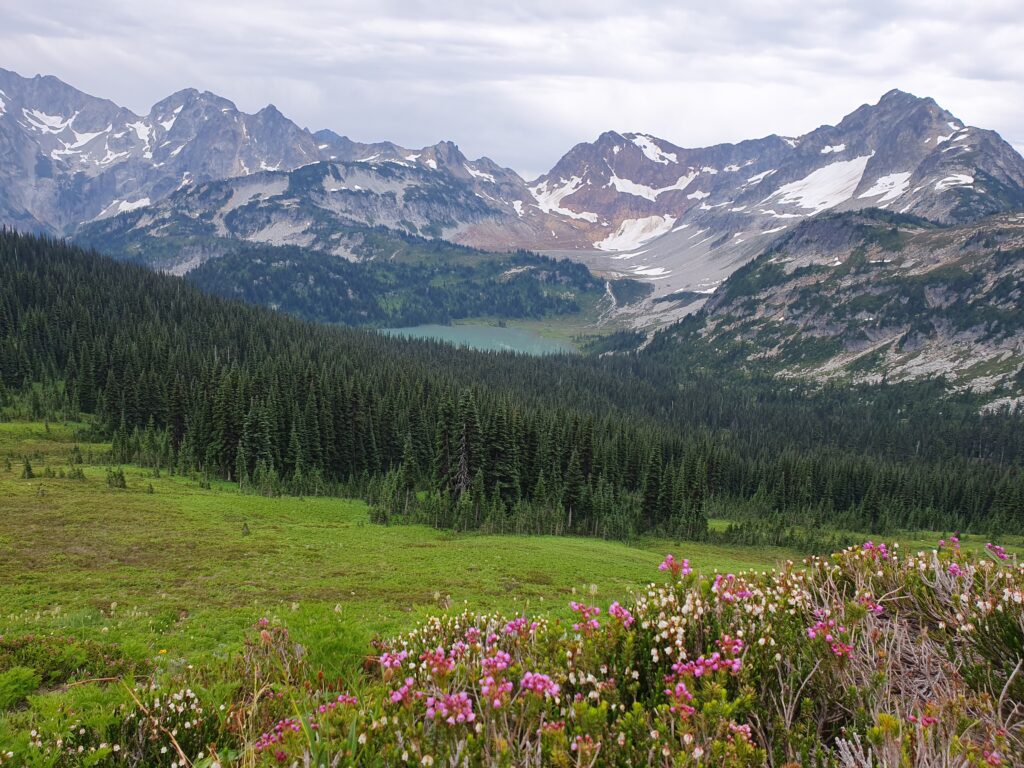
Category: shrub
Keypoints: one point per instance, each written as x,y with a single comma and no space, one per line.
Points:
16,684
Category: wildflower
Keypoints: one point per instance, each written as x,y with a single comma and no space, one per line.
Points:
539,684
588,621
996,550
437,662
677,568
495,691
452,708
622,614
390,660
680,698
955,569
405,693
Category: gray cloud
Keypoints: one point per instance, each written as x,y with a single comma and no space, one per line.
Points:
522,82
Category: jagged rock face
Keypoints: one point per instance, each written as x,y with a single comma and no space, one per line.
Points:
68,158
687,218
626,204
867,295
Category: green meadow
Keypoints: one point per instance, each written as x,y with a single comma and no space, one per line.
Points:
168,565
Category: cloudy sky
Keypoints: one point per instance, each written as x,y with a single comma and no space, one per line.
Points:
523,80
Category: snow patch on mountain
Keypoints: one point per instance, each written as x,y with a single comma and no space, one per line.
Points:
888,187
169,122
478,174
757,178
641,190
833,148
651,150
124,206
956,180
632,233
549,198
824,188
45,123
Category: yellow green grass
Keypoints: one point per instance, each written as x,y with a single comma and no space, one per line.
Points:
172,569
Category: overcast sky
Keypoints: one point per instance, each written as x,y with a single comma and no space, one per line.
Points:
521,81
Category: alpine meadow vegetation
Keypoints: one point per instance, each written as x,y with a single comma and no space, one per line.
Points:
866,657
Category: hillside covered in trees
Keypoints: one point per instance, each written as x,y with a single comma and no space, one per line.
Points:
611,446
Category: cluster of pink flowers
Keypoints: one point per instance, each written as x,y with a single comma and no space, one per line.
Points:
677,568
707,665
437,662
390,660
521,627
542,685
495,661
453,708
406,692
622,614
924,721
278,733
829,631
996,550
344,700
743,731
730,646
955,569
680,698
870,605
495,691
992,758
953,543
726,589
588,617
875,551
473,635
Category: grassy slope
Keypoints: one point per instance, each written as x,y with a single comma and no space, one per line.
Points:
184,578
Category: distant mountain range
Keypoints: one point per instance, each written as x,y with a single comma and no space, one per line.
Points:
634,204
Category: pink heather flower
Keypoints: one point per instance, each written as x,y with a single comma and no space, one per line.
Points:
496,661
992,758
680,698
390,660
725,588
730,646
473,635
452,708
875,551
495,692
458,650
622,614
264,622
707,665
278,733
406,693
677,568
437,662
955,569
742,731
539,684
520,627
996,550
870,605
588,621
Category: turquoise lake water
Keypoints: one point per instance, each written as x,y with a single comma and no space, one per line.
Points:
486,337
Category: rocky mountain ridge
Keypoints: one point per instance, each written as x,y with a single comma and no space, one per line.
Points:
627,204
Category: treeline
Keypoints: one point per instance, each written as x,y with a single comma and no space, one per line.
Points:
609,447
388,293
